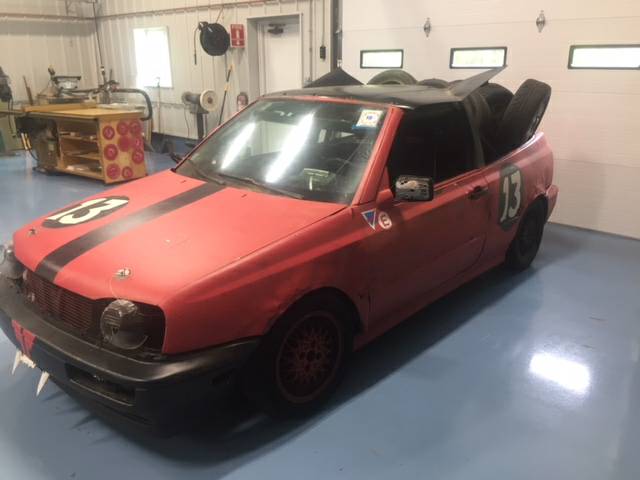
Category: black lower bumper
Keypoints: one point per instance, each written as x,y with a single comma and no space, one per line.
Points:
148,392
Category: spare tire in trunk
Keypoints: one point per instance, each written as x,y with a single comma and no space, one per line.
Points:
523,115
392,77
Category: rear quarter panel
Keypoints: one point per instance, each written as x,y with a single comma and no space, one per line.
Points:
534,161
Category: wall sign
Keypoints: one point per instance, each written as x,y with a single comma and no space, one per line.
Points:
237,35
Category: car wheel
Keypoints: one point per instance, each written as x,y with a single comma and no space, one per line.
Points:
523,114
434,82
525,245
392,77
302,360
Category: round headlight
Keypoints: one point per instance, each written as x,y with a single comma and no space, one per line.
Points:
9,265
122,325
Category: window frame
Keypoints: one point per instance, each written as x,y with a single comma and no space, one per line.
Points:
476,160
382,50
573,48
156,27
455,49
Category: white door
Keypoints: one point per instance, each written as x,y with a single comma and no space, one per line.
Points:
279,55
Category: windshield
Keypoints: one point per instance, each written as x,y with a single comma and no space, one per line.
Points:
310,150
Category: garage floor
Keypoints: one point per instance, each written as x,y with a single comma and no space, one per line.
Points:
528,376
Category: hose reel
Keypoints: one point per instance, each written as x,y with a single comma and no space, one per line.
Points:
214,39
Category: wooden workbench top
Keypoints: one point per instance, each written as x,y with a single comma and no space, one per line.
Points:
88,113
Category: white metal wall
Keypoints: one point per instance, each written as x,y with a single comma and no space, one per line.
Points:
33,36
593,121
120,18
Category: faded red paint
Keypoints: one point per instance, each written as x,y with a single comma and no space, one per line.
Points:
228,265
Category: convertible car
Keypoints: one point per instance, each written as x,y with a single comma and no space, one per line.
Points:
307,225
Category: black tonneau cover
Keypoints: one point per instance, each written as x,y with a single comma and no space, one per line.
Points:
407,96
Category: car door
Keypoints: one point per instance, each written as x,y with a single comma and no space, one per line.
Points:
417,246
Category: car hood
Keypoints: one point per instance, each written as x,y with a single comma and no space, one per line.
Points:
172,231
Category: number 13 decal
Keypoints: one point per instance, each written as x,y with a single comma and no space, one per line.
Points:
85,212
511,193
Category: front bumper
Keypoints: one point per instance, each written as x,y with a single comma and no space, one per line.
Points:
147,392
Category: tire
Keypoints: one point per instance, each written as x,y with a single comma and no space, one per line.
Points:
523,115
392,77
434,82
525,245
302,360
498,99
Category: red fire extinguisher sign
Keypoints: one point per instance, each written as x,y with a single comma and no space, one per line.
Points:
237,35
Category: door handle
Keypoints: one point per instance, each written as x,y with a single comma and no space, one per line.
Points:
478,191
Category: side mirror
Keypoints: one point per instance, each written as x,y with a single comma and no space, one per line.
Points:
414,189
175,157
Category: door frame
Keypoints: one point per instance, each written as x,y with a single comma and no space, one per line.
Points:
253,47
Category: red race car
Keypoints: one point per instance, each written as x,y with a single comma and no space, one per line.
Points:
310,223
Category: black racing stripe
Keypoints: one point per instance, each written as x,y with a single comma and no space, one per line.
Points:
49,267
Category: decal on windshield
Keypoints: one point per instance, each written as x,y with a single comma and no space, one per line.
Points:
369,118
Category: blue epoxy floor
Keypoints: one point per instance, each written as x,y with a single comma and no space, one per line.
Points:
529,376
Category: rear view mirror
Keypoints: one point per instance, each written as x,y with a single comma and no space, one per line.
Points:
414,189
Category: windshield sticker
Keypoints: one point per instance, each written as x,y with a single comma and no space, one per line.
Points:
369,118
370,217
384,220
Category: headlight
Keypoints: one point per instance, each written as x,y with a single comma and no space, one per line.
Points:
123,326
9,265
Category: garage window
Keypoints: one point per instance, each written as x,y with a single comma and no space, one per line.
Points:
153,63
610,57
381,58
478,57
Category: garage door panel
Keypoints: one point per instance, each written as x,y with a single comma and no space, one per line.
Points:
598,197
386,14
601,128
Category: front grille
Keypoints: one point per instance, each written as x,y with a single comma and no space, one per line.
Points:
63,307
81,316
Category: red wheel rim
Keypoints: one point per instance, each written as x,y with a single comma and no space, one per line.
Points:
135,127
123,127
137,156
108,132
111,152
127,172
113,171
309,357
124,144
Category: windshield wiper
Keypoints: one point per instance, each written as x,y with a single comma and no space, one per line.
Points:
195,166
264,186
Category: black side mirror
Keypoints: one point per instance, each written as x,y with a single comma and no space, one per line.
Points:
175,157
414,189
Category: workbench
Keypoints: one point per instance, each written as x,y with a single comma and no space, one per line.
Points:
95,142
